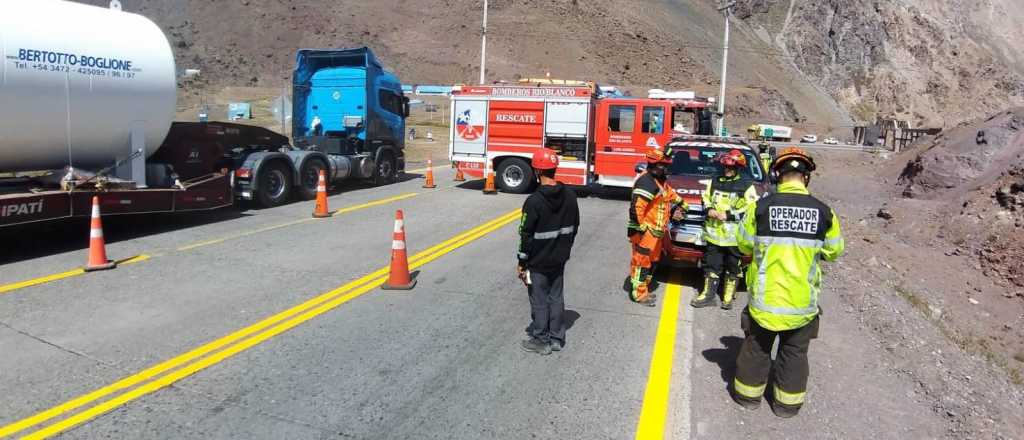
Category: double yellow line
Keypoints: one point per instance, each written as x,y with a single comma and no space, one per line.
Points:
232,344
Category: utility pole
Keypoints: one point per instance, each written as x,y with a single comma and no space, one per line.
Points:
483,46
727,10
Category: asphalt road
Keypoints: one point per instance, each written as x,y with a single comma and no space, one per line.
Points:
268,324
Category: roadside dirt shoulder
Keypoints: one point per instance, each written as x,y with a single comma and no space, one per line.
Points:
942,324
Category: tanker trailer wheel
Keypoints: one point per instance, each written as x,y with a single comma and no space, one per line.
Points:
310,176
275,181
386,171
515,176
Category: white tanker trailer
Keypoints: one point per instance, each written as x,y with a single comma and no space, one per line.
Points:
76,81
87,99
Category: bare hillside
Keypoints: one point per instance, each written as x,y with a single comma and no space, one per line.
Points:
818,64
932,62
636,44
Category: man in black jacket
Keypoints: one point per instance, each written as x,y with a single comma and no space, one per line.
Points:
549,224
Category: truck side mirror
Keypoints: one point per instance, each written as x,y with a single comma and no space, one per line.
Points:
405,107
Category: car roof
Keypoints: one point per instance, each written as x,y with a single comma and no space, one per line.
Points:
705,144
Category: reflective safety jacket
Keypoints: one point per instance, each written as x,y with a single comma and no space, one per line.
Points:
548,228
730,195
788,233
651,206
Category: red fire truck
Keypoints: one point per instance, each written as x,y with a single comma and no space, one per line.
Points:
600,140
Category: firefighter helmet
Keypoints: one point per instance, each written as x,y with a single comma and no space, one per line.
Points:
655,155
545,159
733,158
793,159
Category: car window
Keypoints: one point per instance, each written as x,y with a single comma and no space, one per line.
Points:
702,161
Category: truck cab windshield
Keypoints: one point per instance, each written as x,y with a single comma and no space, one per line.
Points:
701,161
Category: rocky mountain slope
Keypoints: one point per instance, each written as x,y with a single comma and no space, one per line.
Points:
932,62
822,64
632,43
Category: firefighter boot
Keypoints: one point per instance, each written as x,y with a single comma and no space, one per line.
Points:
729,292
709,296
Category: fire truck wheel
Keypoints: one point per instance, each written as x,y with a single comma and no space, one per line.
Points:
515,176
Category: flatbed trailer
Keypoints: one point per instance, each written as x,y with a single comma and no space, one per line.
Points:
201,159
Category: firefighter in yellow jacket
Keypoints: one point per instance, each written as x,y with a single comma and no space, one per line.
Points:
652,204
725,201
789,233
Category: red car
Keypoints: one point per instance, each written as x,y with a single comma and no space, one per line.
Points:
693,165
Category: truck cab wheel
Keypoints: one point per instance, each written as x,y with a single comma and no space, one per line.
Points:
515,176
309,176
275,182
386,171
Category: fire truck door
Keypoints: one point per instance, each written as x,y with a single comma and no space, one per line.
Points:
469,127
566,127
617,152
655,130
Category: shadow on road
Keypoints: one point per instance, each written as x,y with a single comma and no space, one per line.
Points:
26,242
569,318
475,184
725,357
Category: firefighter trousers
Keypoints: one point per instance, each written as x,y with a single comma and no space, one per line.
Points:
646,253
789,371
723,261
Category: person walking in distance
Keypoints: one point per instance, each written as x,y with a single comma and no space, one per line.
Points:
765,155
725,201
652,203
550,221
789,232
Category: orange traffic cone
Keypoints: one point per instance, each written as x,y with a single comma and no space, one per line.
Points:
459,177
321,197
489,183
430,175
97,247
399,278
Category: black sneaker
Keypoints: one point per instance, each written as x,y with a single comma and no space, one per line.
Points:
556,346
536,346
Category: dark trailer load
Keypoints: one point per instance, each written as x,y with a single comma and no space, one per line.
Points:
191,171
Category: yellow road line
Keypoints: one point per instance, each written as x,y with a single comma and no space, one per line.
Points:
76,272
297,222
420,170
655,407
374,203
368,282
60,276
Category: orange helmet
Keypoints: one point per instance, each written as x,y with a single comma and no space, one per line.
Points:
545,159
655,155
793,159
734,158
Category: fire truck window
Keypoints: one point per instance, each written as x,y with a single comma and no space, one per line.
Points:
621,118
682,121
654,119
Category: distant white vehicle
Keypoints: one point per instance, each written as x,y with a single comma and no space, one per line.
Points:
809,139
831,141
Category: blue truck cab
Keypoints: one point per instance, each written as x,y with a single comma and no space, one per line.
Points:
348,120
345,103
